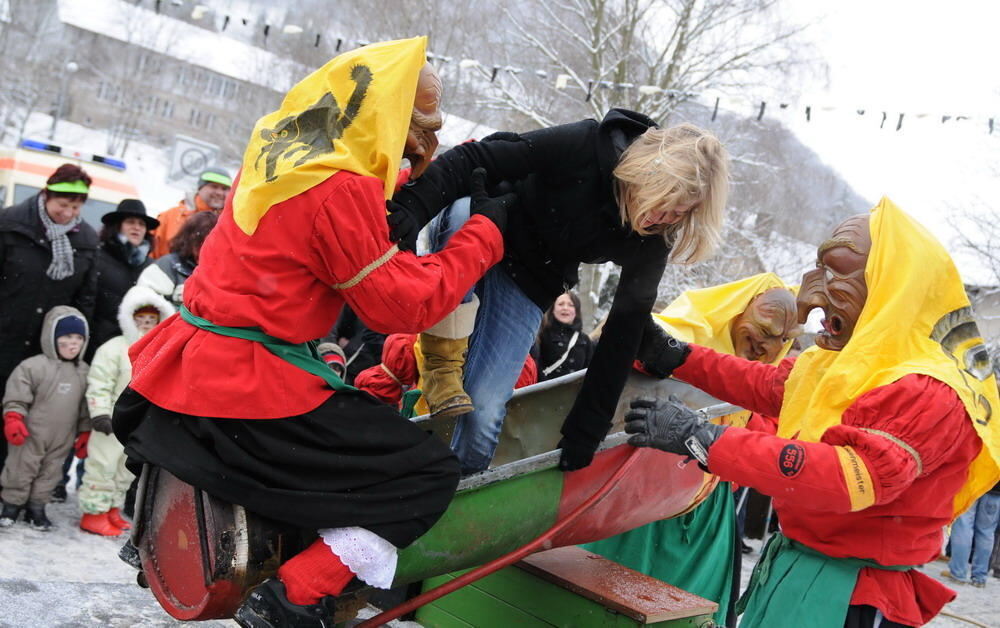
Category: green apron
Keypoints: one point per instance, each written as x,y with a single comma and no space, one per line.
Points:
304,355
796,586
693,551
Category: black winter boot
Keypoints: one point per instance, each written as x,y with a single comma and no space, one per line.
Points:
267,607
10,514
59,493
36,517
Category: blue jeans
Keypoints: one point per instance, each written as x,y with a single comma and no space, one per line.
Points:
506,325
978,522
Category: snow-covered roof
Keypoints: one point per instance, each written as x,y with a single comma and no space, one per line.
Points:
185,42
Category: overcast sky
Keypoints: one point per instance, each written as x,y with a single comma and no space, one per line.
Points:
939,58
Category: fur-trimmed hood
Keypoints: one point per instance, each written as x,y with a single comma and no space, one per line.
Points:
138,297
52,318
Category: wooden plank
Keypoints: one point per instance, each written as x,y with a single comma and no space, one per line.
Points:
482,609
551,603
432,616
641,597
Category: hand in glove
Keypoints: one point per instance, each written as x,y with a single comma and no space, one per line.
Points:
80,444
101,423
659,352
404,225
14,429
494,208
574,455
671,426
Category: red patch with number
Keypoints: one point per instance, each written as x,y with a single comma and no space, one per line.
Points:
791,460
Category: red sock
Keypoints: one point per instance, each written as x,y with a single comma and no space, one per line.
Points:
314,573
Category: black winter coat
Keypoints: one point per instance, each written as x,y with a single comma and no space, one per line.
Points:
567,214
26,292
114,278
551,345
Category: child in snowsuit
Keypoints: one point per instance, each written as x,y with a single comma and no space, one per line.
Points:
43,412
106,480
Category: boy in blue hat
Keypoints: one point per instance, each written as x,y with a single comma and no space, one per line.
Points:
45,416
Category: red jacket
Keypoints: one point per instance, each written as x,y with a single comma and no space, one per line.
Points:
398,371
913,437
307,257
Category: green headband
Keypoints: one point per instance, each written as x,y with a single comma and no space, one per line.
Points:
69,187
214,177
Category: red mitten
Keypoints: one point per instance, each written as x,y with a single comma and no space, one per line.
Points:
80,445
14,429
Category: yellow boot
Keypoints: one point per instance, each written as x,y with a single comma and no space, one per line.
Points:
444,347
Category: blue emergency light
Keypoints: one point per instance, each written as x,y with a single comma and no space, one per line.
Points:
73,154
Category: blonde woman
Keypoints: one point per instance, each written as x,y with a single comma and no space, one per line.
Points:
620,190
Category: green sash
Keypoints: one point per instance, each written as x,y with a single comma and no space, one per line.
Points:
794,585
305,356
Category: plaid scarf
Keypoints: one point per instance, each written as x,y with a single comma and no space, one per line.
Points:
62,251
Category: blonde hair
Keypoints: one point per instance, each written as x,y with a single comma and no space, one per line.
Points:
666,168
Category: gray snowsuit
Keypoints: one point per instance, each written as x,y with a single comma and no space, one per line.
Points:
49,392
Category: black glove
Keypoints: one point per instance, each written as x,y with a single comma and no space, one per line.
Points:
101,423
404,225
494,208
659,352
575,455
671,426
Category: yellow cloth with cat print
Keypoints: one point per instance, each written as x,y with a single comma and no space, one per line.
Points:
351,114
705,317
917,319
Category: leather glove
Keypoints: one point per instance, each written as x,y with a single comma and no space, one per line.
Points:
575,455
659,352
101,423
14,429
80,444
671,426
404,225
494,208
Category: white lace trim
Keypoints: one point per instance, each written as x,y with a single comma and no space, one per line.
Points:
369,556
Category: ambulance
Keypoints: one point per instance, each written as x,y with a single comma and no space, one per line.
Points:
24,170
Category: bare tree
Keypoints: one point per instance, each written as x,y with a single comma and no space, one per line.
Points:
30,49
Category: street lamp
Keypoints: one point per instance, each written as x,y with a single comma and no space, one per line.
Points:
68,69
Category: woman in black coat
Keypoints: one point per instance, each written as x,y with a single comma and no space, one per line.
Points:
123,253
47,258
562,347
619,190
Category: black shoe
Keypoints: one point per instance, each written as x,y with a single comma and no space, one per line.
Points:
746,549
267,607
9,515
35,515
59,494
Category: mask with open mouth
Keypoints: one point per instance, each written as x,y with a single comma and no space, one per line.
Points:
768,322
837,285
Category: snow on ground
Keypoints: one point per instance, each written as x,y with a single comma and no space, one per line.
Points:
68,577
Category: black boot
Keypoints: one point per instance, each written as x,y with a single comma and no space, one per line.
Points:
10,514
59,493
36,517
267,607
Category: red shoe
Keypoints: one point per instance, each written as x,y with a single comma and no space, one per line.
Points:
99,524
116,519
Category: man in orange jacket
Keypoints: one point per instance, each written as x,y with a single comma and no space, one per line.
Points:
210,195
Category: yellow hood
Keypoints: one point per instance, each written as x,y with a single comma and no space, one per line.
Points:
917,319
705,317
351,114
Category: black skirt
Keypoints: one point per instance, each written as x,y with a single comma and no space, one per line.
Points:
353,461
